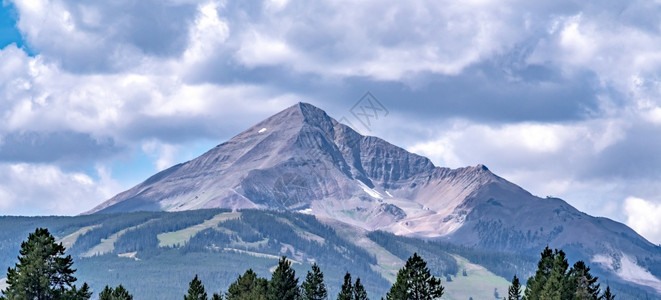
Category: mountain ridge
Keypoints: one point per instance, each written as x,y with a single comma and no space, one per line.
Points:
310,142
301,159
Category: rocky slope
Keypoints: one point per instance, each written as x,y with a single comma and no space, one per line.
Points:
301,159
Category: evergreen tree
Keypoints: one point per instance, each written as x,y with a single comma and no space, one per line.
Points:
556,287
247,286
399,289
514,291
217,296
537,282
119,293
283,284
74,293
106,293
346,292
313,288
359,292
196,290
43,272
553,281
415,282
582,283
607,294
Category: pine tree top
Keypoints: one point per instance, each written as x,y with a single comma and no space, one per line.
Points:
196,290
43,271
314,288
283,284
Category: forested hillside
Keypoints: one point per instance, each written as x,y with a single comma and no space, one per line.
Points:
144,250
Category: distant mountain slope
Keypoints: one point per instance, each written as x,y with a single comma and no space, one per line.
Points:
220,247
303,160
150,248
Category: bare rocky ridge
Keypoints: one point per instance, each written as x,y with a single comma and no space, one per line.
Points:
301,159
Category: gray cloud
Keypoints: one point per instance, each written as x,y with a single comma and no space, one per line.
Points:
635,157
66,147
484,93
105,36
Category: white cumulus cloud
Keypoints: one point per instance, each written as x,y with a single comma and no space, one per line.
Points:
37,189
644,217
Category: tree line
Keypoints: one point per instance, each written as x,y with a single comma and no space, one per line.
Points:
555,280
414,281
43,272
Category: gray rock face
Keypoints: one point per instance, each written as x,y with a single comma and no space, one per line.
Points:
289,161
302,159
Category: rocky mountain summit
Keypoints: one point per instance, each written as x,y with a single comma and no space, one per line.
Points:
303,160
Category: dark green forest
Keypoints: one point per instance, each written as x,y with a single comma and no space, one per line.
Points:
254,240
203,254
44,271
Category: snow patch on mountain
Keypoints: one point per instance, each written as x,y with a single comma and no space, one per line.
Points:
307,211
626,268
372,192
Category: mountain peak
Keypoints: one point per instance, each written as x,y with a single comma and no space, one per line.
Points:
294,116
307,107
305,110
314,115
301,159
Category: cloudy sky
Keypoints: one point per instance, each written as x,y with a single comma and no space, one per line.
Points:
562,98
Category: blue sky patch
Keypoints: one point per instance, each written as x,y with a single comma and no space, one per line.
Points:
9,34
